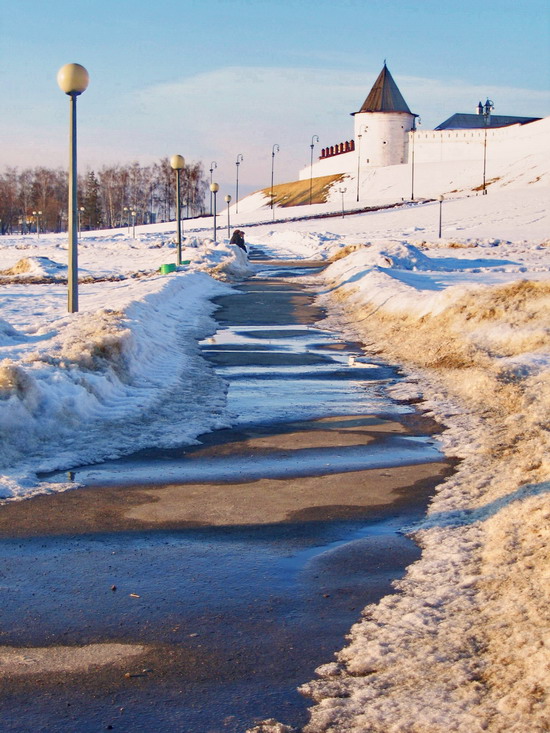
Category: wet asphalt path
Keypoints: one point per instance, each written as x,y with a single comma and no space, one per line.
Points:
239,564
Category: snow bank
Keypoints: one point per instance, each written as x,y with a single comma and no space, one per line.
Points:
304,244
462,647
114,378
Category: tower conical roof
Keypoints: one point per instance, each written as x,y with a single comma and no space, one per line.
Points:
385,96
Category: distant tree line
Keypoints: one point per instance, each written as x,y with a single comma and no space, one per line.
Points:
106,198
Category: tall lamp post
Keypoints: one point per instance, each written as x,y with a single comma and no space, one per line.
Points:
415,122
440,199
228,202
486,112
237,163
177,162
214,188
213,165
274,149
342,191
72,79
359,136
314,139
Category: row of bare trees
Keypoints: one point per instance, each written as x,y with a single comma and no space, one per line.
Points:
35,199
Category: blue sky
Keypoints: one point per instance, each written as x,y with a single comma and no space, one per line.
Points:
213,78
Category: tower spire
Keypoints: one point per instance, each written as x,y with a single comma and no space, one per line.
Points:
385,95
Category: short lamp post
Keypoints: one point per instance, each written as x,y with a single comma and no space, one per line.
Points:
177,163
73,79
359,136
413,131
213,165
81,210
314,139
237,163
486,112
37,215
134,214
214,188
342,191
274,149
440,199
228,202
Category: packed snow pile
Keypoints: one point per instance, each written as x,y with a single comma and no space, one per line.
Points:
35,268
100,383
225,262
307,243
8,334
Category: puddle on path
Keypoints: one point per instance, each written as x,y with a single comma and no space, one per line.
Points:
240,563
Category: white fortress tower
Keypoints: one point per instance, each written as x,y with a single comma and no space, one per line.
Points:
381,134
382,124
385,135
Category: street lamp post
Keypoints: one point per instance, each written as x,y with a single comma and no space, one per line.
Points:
213,165
359,136
214,188
274,149
72,79
237,163
134,214
440,199
228,202
342,191
314,139
126,211
486,121
80,212
415,122
37,215
177,163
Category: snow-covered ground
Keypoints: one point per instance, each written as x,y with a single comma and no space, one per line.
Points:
461,647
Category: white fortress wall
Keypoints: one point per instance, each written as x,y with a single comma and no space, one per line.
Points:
508,151
515,141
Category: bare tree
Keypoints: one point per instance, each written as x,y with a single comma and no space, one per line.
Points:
107,197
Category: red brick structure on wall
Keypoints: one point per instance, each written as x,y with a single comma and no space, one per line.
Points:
338,149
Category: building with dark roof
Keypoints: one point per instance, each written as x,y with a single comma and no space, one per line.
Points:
461,121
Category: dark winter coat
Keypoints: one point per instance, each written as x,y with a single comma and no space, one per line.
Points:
238,239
